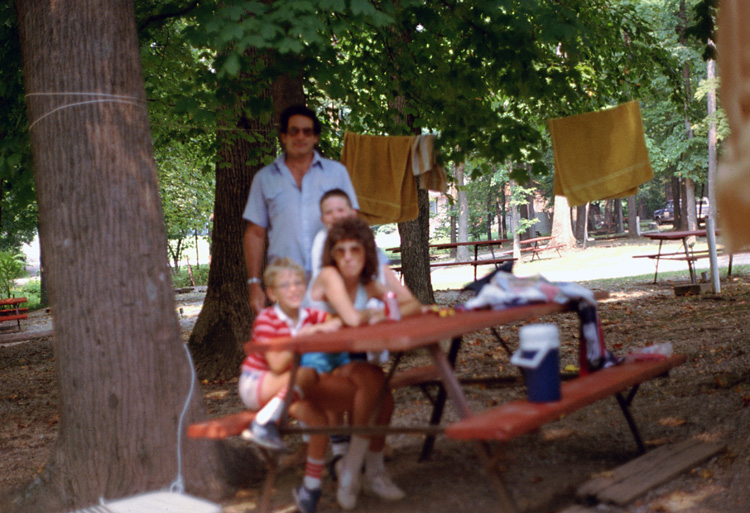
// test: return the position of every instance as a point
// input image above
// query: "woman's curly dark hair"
(356, 229)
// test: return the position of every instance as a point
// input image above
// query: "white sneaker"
(349, 486)
(380, 485)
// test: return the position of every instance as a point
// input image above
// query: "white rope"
(178, 485)
(108, 98)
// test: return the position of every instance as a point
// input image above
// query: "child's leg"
(306, 496)
(369, 380)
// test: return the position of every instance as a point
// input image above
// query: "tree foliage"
(18, 210)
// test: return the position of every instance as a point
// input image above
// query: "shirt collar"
(316, 161)
(288, 320)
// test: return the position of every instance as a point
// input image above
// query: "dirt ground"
(705, 398)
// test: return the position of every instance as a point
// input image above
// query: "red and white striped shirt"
(272, 323)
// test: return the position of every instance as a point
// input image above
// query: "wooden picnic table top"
(411, 332)
(535, 240)
(677, 235)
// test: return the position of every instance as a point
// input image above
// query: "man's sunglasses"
(307, 131)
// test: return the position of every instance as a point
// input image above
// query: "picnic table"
(536, 245)
(476, 262)
(688, 255)
(426, 332)
(11, 310)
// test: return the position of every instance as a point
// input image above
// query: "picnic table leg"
(625, 407)
(693, 278)
(453, 388)
(505, 500)
(439, 404)
(272, 467)
(658, 254)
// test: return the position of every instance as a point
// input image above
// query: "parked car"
(666, 214)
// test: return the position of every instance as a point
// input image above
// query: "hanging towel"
(429, 173)
(600, 155)
(381, 172)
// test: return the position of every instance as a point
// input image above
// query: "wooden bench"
(10, 310)
(510, 420)
(536, 251)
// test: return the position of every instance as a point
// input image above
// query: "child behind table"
(265, 376)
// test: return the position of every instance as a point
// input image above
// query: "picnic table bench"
(10, 310)
(533, 246)
(507, 421)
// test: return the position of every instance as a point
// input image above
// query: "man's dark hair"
(298, 110)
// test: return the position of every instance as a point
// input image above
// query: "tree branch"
(175, 13)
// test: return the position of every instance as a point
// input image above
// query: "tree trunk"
(123, 372)
(618, 216)
(561, 228)
(633, 217)
(581, 217)
(462, 253)
(226, 319)
(489, 215)
(514, 223)
(415, 251)
(712, 139)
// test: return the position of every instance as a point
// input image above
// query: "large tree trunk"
(122, 370)
(562, 229)
(462, 252)
(415, 251)
(226, 319)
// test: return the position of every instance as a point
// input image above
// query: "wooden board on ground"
(654, 468)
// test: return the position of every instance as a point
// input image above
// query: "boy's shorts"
(324, 362)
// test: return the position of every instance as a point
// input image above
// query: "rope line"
(178, 485)
(115, 98)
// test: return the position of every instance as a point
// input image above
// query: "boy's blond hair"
(278, 265)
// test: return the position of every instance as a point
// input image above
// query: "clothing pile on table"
(504, 290)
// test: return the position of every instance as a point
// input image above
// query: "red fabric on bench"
(518, 417)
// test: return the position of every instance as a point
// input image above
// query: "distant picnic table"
(475, 263)
(11, 310)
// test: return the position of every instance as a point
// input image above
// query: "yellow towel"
(600, 155)
(380, 169)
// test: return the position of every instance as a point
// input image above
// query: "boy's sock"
(313, 473)
(339, 444)
(271, 412)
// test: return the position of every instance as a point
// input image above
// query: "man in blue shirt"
(285, 196)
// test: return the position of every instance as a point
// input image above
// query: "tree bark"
(462, 252)
(633, 217)
(226, 319)
(561, 227)
(123, 372)
(712, 139)
(415, 251)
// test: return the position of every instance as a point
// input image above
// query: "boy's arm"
(279, 361)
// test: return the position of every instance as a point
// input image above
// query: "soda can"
(392, 311)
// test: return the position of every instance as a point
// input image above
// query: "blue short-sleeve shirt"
(290, 214)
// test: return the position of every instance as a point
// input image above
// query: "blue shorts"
(324, 362)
